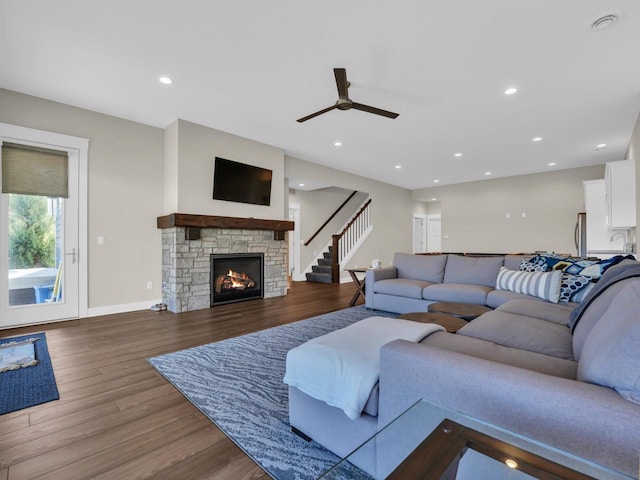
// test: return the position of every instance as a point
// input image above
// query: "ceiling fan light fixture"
(344, 102)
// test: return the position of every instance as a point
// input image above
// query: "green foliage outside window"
(32, 240)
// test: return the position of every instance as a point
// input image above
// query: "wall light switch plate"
(100, 240)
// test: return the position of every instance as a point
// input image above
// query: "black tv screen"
(238, 182)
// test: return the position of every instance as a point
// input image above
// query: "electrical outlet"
(149, 285)
(164, 284)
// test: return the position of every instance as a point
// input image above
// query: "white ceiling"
(253, 67)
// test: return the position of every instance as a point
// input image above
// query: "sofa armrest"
(587, 420)
(372, 276)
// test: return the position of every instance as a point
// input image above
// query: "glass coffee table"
(431, 442)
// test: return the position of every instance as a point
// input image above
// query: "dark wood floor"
(117, 418)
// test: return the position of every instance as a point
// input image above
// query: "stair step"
(327, 255)
(324, 261)
(319, 277)
(321, 269)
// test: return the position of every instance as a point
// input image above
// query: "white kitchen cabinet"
(600, 238)
(620, 181)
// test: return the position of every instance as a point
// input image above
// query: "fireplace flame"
(234, 281)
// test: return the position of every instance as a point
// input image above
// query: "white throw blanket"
(341, 368)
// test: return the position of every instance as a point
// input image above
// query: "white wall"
(125, 194)
(474, 215)
(392, 209)
(197, 148)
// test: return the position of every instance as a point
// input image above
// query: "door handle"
(75, 255)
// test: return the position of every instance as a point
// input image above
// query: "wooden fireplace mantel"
(279, 227)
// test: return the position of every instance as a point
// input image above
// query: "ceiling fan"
(344, 102)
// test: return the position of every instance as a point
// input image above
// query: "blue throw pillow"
(570, 285)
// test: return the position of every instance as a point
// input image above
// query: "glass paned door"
(39, 255)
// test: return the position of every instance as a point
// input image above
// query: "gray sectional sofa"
(567, 375)
(415, 281)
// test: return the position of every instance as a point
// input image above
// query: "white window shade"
(28, 170)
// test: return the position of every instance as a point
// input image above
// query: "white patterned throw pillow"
(545, 285)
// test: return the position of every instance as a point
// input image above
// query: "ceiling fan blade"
(341, 82)
(309, 117)
(377, 111)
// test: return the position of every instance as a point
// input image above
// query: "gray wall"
(197, 147)
(125, 187)
(474, 215)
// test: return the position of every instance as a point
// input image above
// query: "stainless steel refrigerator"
(580, 235)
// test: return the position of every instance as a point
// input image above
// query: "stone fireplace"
(189, 241)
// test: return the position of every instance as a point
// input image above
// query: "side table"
(359, 283)
(466, 311)
(450, 323)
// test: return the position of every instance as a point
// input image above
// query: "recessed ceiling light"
(510, 91)
(436, 181)
(457, 154)
(537, 139)
(398, 166)
(301, 184)
(604, 22)
(165, 80)
(433, 199)
(552, 164)
(487, 173)
(511, 463)
(601, 146)
(337, 144)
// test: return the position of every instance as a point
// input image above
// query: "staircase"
(342, 247)
(321, 273)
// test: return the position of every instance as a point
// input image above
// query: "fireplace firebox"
(236, 277)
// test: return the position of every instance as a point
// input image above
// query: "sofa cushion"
(401, 287)
(456, 292)
(428, 268)
(473, 270)
(551, 312)
(545, 285)
(558, 367)
(495, 298)
(609, 356)
(520, 331)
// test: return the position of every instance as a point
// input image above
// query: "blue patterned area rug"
(31, 385)
(237, 383)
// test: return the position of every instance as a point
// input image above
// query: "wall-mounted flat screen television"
(239, 182)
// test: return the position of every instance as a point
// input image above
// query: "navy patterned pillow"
(571, 284)
(576, 265)
(532, 267)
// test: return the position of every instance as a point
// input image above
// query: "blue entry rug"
(237, 383)
(25, 387)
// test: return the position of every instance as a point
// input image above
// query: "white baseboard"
(123, 308)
